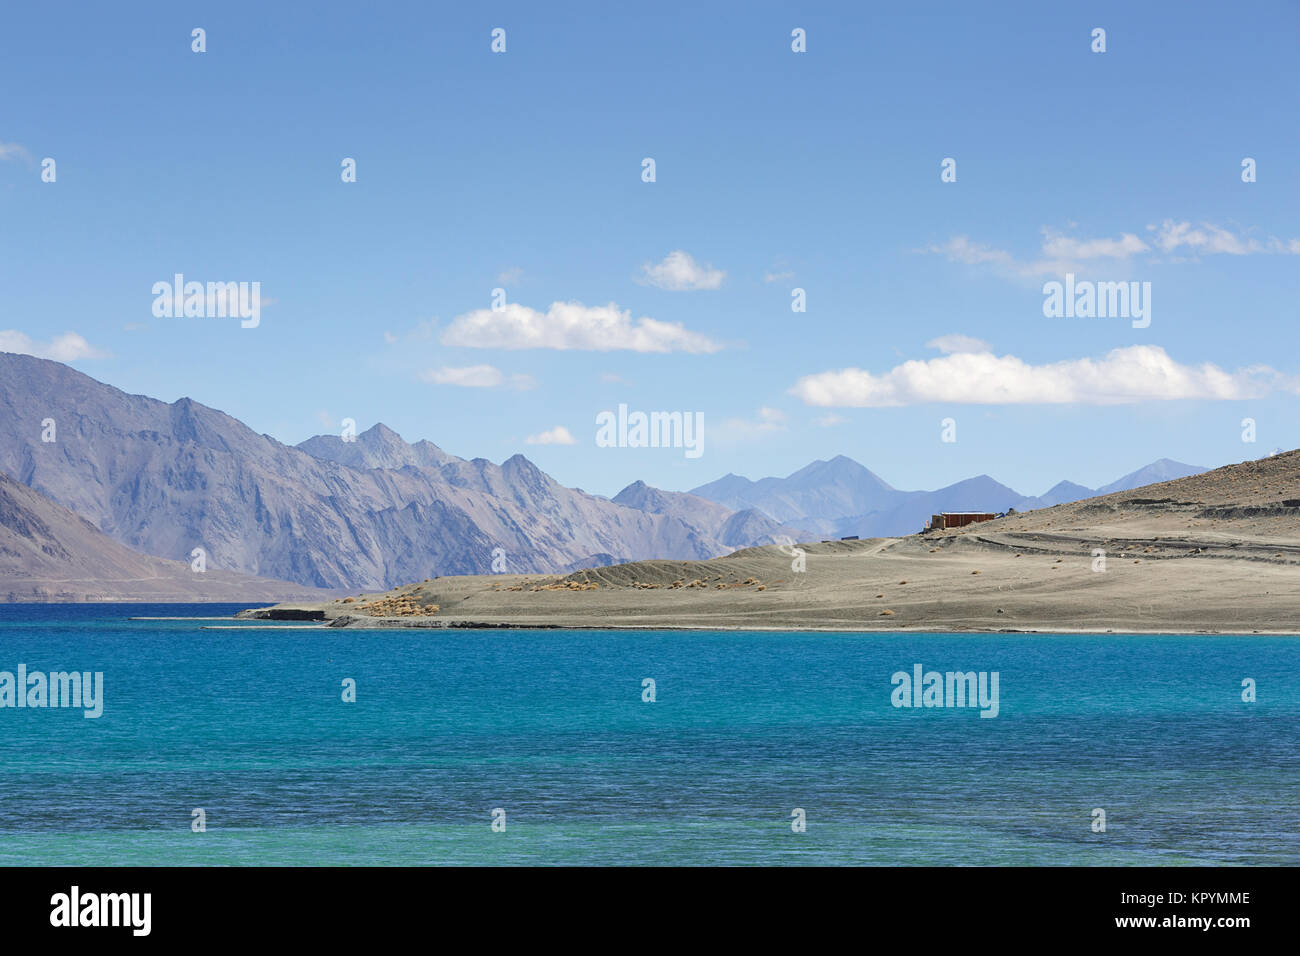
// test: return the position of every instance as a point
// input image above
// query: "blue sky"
(774, 170)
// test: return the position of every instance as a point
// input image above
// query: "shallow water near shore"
(550, 726)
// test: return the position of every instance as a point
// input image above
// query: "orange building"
(958, 519)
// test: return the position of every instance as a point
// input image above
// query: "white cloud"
(68, 347)
(1137, 373)
(476, 376)
(559, 435)
(766, 422)
(828, 421)
(948, 344)
(422, 330)
(1173, 236)
(1060, 253)
(679, 272)
(14, 151)
(572, 325)
(510, 276)
(1059, 246)
(777, 276)
(962, 249)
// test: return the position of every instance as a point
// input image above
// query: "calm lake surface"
(551, 727)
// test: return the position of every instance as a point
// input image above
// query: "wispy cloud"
(679, 272)
(1209, 239)
(777, 276)
(511, 276)
(766, 422)
(476, 376)
(423, 330)
(1137, 373)
(559, 435)
(572, 325)
(1058, 246)
(948, 344)
(68, 347)
(1061, 252)
(964, 250)
(10, 151)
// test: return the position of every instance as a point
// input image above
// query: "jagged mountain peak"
(375, 511)
(380, 434)
(841, 468)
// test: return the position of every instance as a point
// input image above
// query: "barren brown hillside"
(1218, 552)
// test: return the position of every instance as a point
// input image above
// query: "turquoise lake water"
(550, 726)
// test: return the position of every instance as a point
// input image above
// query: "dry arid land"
(1215, 553)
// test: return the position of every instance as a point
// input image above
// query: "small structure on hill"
(958, 519)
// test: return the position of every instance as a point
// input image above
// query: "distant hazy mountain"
(735, 529)
(164, 479)
(1061, 493)
(840, 497)
(699, 511)
(1157, 471)
(47, 553)
(824, 489)
(913, 508)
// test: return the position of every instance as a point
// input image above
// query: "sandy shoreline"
(386, 624)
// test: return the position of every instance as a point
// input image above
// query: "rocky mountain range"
(374, 511)
(164, 478)
(840, 497)
(47, 553)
